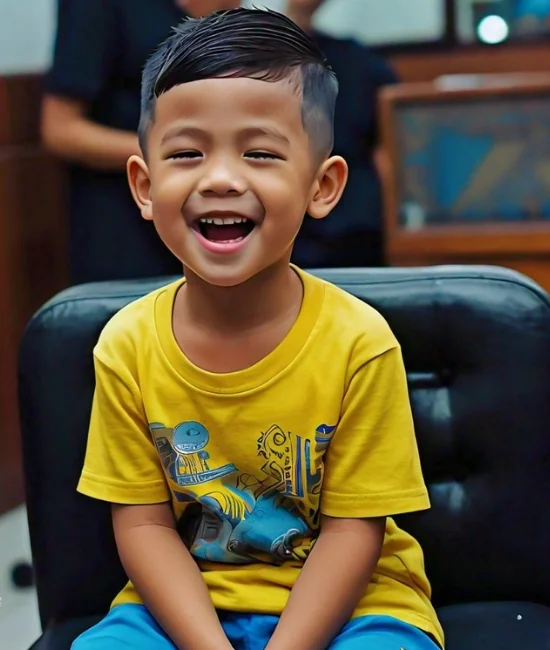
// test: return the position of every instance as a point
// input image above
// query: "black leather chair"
(476, 342)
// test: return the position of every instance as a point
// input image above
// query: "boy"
(251, 424)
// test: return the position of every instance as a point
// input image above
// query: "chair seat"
(61, 636)
(478, 626)
(496, 626)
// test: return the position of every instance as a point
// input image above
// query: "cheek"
(170, 189)
(286, 192)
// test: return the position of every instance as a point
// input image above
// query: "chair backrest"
(476, 342)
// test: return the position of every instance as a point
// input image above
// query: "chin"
(225, 278)
(226, 283)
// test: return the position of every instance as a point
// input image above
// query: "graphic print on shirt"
(189, 440)
(233, 516)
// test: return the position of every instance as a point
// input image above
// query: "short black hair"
(261, 44)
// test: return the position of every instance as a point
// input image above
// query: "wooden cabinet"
(33, 256)
(466, 173)
(421, 66)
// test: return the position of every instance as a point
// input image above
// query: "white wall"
(378, 21)
(27, 29)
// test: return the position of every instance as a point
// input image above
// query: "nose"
(222, 177)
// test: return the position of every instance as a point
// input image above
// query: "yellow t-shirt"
(250, 459)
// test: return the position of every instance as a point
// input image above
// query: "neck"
(263, 299)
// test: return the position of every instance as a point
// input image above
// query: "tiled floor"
(19, 622)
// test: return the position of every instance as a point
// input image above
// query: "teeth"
(224, 221)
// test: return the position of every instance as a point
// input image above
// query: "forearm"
(69, 134)
(171, 586)
(95, 146)
(333, 580)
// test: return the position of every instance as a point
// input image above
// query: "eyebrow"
(179, 131)
(265, 131)
(249, 132)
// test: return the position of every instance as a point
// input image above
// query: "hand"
(301, 11)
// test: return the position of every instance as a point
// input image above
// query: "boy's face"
(230, 174)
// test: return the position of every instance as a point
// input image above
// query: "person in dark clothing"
(353, 234)
(91, 114)
(90, 118)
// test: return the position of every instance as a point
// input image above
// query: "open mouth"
(224, 229)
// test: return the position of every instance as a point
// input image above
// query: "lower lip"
(221, 247)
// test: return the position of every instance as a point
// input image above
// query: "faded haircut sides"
(254, 43)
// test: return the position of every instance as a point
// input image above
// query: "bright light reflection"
(493, 30)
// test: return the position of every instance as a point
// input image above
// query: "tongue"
(224, 233)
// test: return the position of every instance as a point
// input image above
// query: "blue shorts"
(131, 627)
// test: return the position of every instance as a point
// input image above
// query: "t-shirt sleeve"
(372, 466)
(85, 49)
(121, 463)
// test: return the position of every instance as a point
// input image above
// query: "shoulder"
(131, 329)
(84, 9)
(378, 70)
(358, 327)
(342, 44)
(344, 47)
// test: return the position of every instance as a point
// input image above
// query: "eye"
(185, 155)
(262, 155)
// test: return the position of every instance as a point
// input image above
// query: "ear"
(328, 187)
(140, 185)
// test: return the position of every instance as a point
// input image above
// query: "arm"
(87, 48)
(166, 576)
(69, 134)
(380, 74)
(371, 471)
(330, 584)
(122, 467)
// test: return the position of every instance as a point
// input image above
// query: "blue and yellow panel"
(486, 160)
